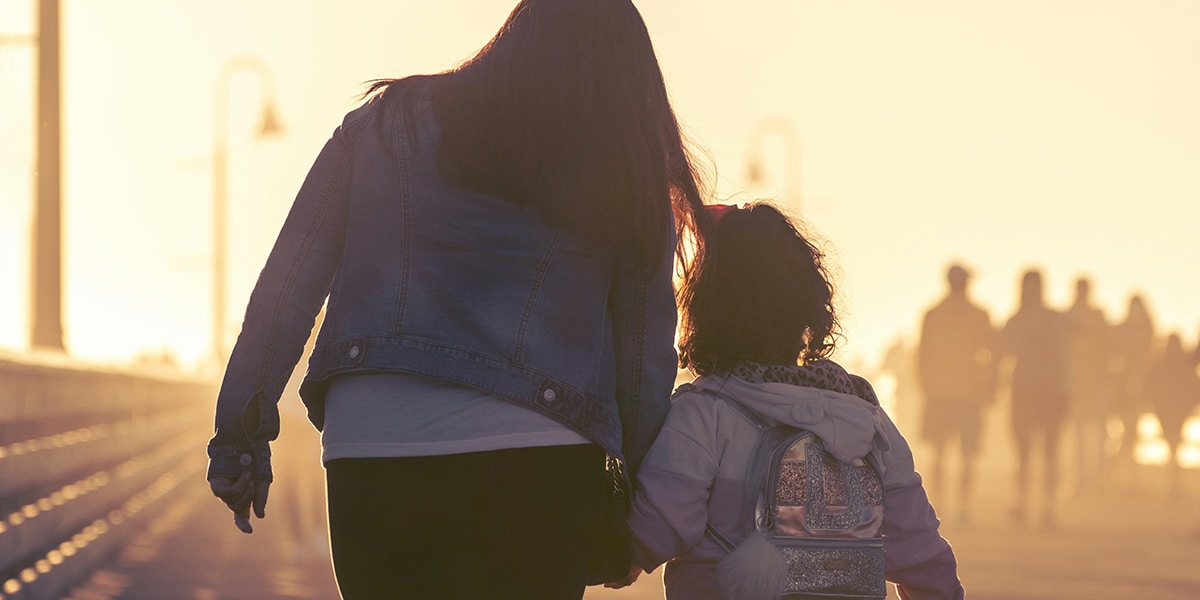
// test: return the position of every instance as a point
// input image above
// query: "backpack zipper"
(766, 521)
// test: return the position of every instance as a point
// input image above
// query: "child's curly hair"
(761, 294)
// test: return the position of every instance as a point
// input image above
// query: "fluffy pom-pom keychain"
(755, 570)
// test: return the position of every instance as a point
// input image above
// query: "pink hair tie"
(716, 212)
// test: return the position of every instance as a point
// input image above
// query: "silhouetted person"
(956, 369)
(1196, 354)
(1036, 338)
(899, 361)
(1172, 390)
(1092, 383)
(1133, 344)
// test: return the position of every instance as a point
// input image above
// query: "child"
(758, 323)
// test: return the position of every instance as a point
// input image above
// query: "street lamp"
(268, 126)
(755, 171)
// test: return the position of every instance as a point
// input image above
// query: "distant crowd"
(1066, 371)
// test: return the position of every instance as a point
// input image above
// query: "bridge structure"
(87, 455)
(102, 492)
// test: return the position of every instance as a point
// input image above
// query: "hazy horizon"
(1061, 135)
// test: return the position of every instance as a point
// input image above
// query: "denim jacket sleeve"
(283, 307)
(643, 304)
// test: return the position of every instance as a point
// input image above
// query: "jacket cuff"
(934, 579)
(231, 460)
(642, 556)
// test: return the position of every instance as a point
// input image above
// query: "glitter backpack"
(812, 526)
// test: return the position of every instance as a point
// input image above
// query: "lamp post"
(268, 126)
(782, 127)
(46, 305)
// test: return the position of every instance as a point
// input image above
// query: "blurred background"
(145, 172)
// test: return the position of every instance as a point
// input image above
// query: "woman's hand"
(634, 572)
(239, 495)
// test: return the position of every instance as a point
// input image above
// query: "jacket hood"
(849, 426)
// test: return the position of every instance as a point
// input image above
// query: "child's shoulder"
(684, 388)
(703, 395)
(691, 391)
(708, 397)
(703, 386)
(703, 408)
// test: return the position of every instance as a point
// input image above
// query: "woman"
(1134, 340)
(1036, 337)
(496, 242)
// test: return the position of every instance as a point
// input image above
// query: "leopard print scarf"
(821, 374)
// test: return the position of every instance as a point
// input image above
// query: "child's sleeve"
(670, 501)
(918, 559)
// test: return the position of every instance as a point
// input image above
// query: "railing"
(86, 455)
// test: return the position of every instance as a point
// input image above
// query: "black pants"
(518, 524)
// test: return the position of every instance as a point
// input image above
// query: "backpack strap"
(758, 422)
(718, 537)
(761, 425)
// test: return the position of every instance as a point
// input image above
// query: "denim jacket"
(428, 278)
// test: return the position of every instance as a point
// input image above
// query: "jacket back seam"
(402, 160)
(543, 268)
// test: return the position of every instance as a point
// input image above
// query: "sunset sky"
(1063, 134)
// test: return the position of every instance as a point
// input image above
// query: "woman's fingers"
(242, 520)
(226, 487)
(260, 498)
(244, 494)
(236, 493)
(240, 495)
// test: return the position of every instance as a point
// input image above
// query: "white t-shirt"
(392, 415)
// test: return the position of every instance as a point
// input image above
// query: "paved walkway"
(1142, 544)
(192, 551)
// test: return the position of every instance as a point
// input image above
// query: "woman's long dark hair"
(761, 294)
(565, 111)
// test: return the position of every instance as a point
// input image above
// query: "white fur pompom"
(755, 570)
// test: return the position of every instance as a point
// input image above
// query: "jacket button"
(353, 351)
(549, 395)
(245, 460)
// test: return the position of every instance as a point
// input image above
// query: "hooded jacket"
(694, 473)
